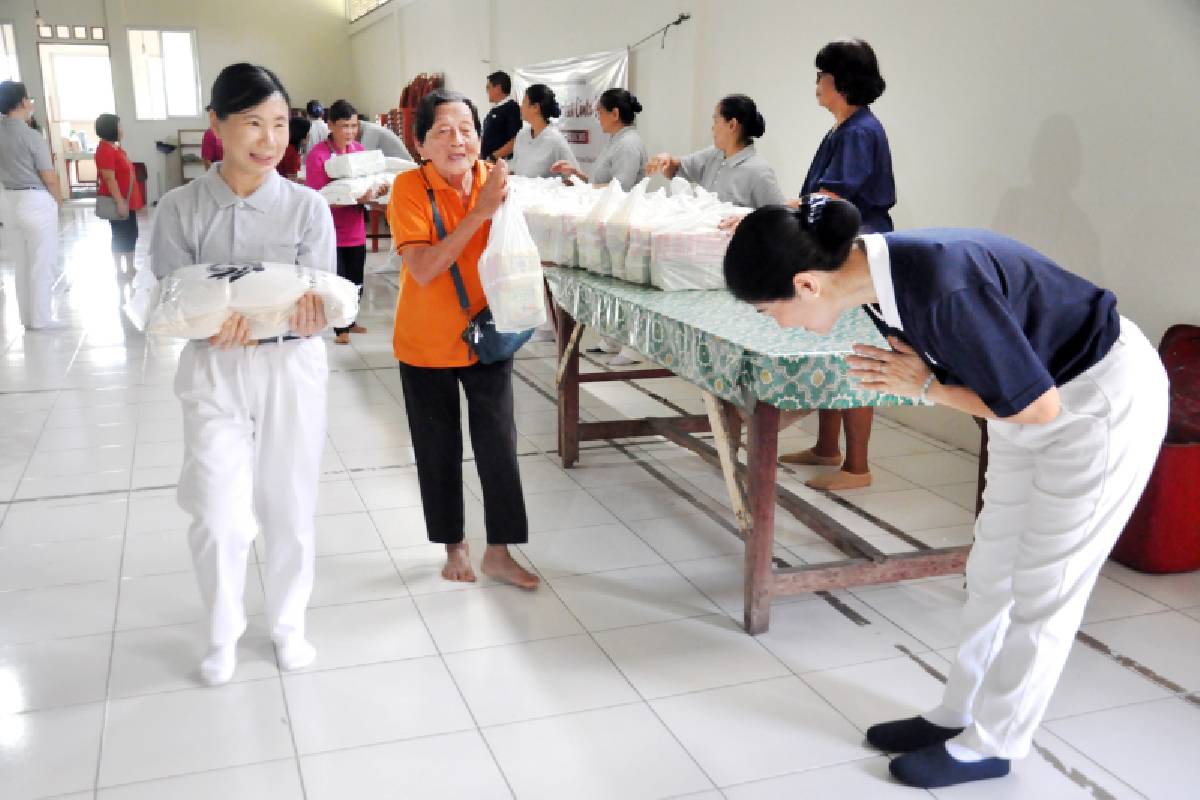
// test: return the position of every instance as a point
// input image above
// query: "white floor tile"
(421, 567)
(167, 658)
(1168, 644)
(52, 674)
(150, 512)
(538, 475)
(914, 510)
(173, 599)
(620, 752)
(688, 655)
(1113, 600)
(338, 497)
(454, 766)
(1135, 742)
(538, 679)
(929, 469)
(272, 780)
(929, 610)
(586, 550)
(555, 511)
(146, 737)
(881, 690)
(59, 563)
(36, 615)
(688, 536)
(759, 730)
(494, 616)
(866, 778)
(391, 489)
(626, 597)
(373, 704)
(367, 633)
(156, 554)
(405, 527)
(356, 577)
(32, 523)
(1177, 591)
(1093, 681)
(50, 752)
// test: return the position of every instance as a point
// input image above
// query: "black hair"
(542, 96)
(427, 110)
(775, 243)
(107, 127)
(11, 95)
(855, 70)
(314, 109)
(501, 79)
(741, 108)
(341, 109)
(242, 86)
(298, 128)
(621, 100)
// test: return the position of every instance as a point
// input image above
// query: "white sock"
(218, 666)
(295, 653)
(964, 754)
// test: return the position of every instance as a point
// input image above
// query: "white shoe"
(217, 667)
(624, 359)
(295, 653)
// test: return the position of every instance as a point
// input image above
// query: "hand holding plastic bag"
(510, 270)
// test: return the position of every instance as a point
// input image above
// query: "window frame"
(167, 115)
(12, 30)
(353, 19)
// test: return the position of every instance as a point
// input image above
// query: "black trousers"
(431, 399)
(125, 234)
(351, 261)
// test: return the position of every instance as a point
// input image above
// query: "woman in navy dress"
(1075, 400)
(853, 163)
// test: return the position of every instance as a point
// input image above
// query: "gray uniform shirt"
(532, 158)
(204, 222)
(744, 179)
(23, 153)
(377, 137)
(623, 159)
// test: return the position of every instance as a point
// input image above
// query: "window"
(8, 54)
(357, 9)
(165, 82)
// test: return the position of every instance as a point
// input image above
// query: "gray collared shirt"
(377, 137)
(744, 179)
(532, 157)
(204, 222)
(23, 153)
(623, 159)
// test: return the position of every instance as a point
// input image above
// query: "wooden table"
(748, 368)
(376, 211)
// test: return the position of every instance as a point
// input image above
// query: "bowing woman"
(1075, 399)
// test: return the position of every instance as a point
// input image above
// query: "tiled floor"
(626, 676)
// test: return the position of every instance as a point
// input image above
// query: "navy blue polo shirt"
(855, 163)
(995, 315)
(502, 123)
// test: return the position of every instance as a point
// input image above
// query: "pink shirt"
(211, 148)
(348, 221)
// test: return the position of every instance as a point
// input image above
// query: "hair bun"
(761, 124)
(634, 104)
(833, 222)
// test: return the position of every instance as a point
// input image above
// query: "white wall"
(304, 41)
(1067, 124)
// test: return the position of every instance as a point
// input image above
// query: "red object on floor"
(1163, 535)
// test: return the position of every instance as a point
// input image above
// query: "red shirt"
(348, 221)
(112, 156)
(289, 165)
(211, 149)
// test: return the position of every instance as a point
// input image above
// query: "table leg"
(375, 230)
(727, 446)
(981, 480)
(762, 448)
(568, 388)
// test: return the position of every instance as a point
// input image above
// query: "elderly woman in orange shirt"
(434, 359)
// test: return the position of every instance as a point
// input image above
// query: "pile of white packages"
(194, 302)
(354, 174)
(668, 238)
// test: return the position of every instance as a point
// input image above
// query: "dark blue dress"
(855, 163)
(992, 314)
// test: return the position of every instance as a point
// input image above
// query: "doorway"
(78, 87)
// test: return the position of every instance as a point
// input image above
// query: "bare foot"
(458, 564)
(356, 328)
(840, 480)
(498, 563)
(810, 458)
(342, 338)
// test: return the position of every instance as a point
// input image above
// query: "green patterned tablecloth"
(722, 345)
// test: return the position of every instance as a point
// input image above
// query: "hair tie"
(816, 209)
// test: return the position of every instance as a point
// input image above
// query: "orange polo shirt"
(429, 319)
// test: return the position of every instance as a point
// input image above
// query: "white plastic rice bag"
(397, 165)
(193, 302)
(658, 212)
(616, 229)
(589, 235)
(355, 165)
(510, 270)
(690, 254)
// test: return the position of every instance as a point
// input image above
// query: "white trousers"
(1057, 498)
(254, 429)
(30, 219)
